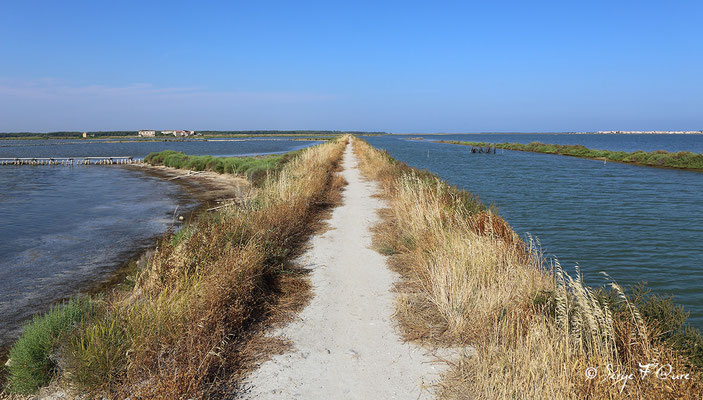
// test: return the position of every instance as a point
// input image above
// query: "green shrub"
(33, 358)
(669, 319)
(689, 342)
(256, 174)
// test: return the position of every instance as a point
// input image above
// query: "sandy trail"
(345, 341)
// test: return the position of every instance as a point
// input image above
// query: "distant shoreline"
(683, 160)
(561, 133)
(75, 135)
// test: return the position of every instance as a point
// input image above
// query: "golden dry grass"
(470, 280)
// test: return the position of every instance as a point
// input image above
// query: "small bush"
(669, 319)
(98, 353)
(32, 361)
(689, 341)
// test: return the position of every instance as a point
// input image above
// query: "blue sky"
(396, 66)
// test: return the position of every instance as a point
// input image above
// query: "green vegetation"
(254, 168)
(32, 358)
(668, 321)
(680, 160)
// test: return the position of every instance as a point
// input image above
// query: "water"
(139, 149)
(64, 229)
(636, 223)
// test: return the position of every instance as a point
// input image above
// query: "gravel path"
(345, 341)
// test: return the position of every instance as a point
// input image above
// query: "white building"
(147, 133)
(179, 133)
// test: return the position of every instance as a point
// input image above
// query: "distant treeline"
(659, 158)
(61, 135)
(65, 134)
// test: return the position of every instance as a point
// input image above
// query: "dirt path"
(345, 341)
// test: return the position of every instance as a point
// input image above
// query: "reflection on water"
(636, 223)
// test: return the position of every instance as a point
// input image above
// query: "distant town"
(151, 133)
(650, 132)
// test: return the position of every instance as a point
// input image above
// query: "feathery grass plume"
(642, 329)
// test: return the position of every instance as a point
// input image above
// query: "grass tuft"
(33, 358)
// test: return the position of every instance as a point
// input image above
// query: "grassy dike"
(681, 160)
(469, 280)
(184, 325)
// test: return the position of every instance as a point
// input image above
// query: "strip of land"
(344, 342)
(662, 159)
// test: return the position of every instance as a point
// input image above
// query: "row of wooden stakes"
(69, 161)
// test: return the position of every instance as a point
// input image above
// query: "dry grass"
(470, 280)
(186, 328)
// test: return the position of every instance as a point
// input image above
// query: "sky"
(394, 66)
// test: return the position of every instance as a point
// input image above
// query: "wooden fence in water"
(69, 160)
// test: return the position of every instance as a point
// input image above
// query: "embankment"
(681, 160)
(182, 327)
(537, 332)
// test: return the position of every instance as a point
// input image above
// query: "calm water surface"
(136, 148)
(636, 223)
(63, 229)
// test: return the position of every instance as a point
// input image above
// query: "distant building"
(179, 133)
(85, 135)
(147, 133)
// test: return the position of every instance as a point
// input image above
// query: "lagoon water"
(63, 229)
(636, 223)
